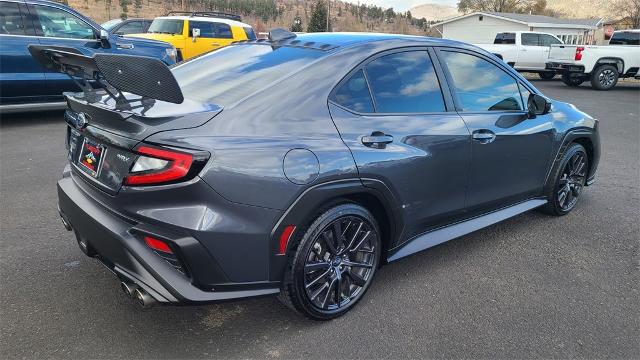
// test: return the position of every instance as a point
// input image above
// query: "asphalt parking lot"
(530, 287)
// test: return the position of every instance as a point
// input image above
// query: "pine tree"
(297, 24)
(318, 22)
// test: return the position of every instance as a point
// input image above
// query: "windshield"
(166, 26)
(228, 75)
(111, 24)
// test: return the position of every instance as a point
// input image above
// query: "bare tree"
(513, 6)
(627, 9)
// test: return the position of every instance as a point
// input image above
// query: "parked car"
(127, 26)
(195, 33)
(24, 84)
(602, 65)
(526, 51)
(393, 145)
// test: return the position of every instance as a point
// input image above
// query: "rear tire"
(604, 77)
(567, 181)
(546, 75)
(572, 81)
(328, 274)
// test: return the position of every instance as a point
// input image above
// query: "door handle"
(215, 44)
(483, 136)
(377, 139)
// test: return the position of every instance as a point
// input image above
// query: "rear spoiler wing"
(144, 76)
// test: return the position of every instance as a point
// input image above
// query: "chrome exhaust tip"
(143, 299)
(128, 289)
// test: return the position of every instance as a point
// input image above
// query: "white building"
(482, 27)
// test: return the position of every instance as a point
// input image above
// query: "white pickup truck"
(602, 65)
(526, 51)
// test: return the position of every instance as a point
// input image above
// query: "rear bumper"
(117, 241)
(564, 67)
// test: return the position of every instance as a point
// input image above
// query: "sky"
(404, 5)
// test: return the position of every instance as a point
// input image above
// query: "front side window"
(529, 39)
(111, 24)
(133, 27)
(166, 26)
(481, 85)
(207, 29)
(405, 83)
(10, 19)
(354, 94)
(548, 40)
(59, 23)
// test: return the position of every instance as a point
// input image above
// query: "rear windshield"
(228, 75)
(625, 38)
(166, 26)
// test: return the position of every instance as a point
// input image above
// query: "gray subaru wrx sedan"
(300, 164)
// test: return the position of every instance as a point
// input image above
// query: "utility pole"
(328, 13)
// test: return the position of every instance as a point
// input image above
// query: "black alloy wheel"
(546, 75)
(570, 178)
(334, 263)
(604, 77)
(573, 81)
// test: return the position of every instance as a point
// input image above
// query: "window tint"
(134, 27)
(224, 31)
(529, 39)
(625, 38)
(167, 26)
(251, 35)
(234, 72)
(59, 23)
(354, 94)
(548, 40)
(505, 38)
(207, 29)
(480, 85)
(10, 19)
(405, 83)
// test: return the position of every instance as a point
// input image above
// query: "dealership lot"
(533, 286)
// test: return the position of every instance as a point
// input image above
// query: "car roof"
(345, 39)
(205, 19)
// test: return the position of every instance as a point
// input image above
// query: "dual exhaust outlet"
(138, 294)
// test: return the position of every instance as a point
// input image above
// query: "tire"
(567, 178)
(325, 278)
(604, 77)
(572, 81)
(546, 75)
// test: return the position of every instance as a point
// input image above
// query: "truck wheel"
(572, 81)
(604, 77)
(547, 75)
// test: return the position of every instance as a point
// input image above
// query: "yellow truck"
(195, 33)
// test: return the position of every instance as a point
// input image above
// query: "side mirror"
(104, 38)
(538, 105)
(195, 33)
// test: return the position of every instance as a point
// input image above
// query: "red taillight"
(159, 166)
(579, 51)
(157, 245)
(285, 237)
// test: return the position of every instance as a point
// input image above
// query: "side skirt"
(439, 236)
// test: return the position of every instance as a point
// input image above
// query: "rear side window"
(10, 19)
(251, 35)
(354, 94)
(481, 85)
(234, 72)
(405, 83)
(530, 39)
(224, 31)
(625, 38)
(505, 38)
(207, 29)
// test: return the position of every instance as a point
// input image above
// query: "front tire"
(567, 181)
(334, 263)
(573, 81)
(547, 75)
(604, 77)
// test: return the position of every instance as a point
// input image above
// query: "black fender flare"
(310, 201)
(570, 137)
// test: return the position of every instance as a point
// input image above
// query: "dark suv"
(299, 165)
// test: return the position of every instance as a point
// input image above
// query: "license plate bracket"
(91, 156)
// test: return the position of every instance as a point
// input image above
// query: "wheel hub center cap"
(337, 261)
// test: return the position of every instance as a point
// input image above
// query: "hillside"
(261, 14)
(434, 12)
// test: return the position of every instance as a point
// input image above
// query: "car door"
(58, 27)
(511, 152)
(530, 55)
(393, 115)
(546, 41)
(205, 42)
(224, 35)
(21, 76)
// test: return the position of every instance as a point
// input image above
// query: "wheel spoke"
(338, 235)
(338, 290)
(562, 196)
(315, 265)
(330, 244)
(317, 279)
(355, 235)
(326, 297)
(355, 248)
(356, 279)
(318, 291)
(356, 264)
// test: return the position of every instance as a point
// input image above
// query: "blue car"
(26, 85)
